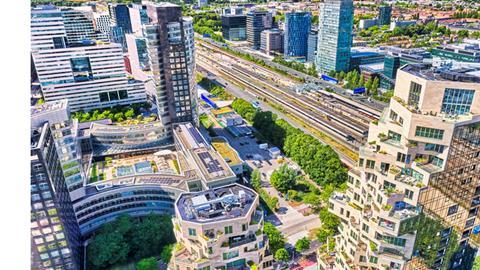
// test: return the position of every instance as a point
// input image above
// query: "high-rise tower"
(334, 35)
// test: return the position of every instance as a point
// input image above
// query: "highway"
(306, 107)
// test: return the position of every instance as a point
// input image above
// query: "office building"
(396, 24)
(312, 45)
(468, 51)
(257, 21)
(396, 57)
(55, 234)
(334, 35)
(367, 23)
(384, 15)
(412, 200)
(102, 25)
(234, 27)
(170, 48)
(232, 11)
(295, 40)
(47, 28)
(78, 26)
(90, 76)
(271, 41)
(220, 228)
(364, 56)
(120, 16)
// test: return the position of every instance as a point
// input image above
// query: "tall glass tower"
(334, 35)
(297, 28)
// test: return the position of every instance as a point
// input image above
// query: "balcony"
(241, 240)
(405, 213)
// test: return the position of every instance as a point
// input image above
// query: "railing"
(243, 241)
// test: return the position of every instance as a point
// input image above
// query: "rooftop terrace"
(226, 151)
(469, 74)
(218, 204)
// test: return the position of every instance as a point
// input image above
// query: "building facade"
(312, 46)
(220, 228)
(468, 51)
(416, 181)
(334, 35)
(257, 21)
(90, 77)
(79, 26)
(234, 27)
(271, 41)
(170, 48)
(297, 30)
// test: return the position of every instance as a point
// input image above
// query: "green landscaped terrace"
(226, 151)
(164, 163)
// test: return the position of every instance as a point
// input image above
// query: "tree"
(256, 179)
(130, 113)
(313, 200)
(282, 255)
(149, 236)
(476, 263)
(107, 249)
(284, 178)
(302, 244)
(147, 264)
(275, 237)
(166, 253)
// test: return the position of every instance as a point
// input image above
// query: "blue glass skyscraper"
(297, 28)
(334, 35)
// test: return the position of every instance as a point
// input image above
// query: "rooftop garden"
(122, 115)
(227, 152)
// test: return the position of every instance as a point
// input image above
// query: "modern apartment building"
(102, 25)
(271, 41)
(312, 45)
(220, 228)
(170, 46)
(384, 15)
(55, 182)
(47, 29)
(334, 35)
(412, 200)
(234, 27)
(295, 40)
(257, 21)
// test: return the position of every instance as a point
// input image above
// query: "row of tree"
(116, 114)
(214, 89)
(353, 79)
(207, 23)
(128, 237)
(300, 67)
(319, 161)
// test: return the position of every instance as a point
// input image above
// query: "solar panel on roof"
(196, 136)
(211, 164)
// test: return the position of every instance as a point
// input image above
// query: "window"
(244, 227)
(457, 101)
(104, 97)
(452, 210)
(229, 255)
(434, 147)
(432, 133)
(408, 194)
(192, 232)
(414, 94)
(370, 164)
(401, 157)
(373, 259)
(228, 230)
(393, 115)
(363, 258)
(365, 228)
(394, 136)
(437, 161)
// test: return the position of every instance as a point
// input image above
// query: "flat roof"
(213, 205)
(465, 73)
(48, 107)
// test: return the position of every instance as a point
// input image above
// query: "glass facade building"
(384, 15)
(257, 21)
(234, 27)
(334, 35)
(297, 29)
(457, 101)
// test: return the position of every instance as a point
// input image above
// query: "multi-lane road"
(341, 118)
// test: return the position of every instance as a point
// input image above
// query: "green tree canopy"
(147, 264)
(284, 178)
(302, 244)
(282, 255)
(275, 237)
